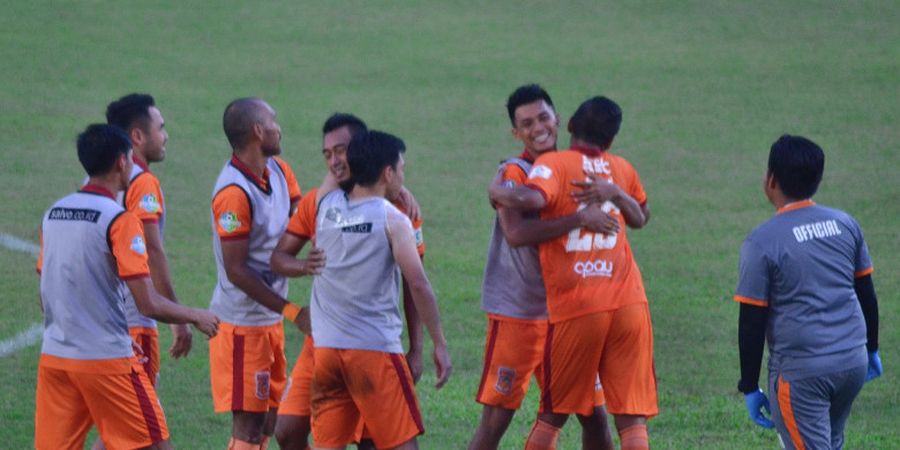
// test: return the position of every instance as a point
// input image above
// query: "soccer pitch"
(705, 87)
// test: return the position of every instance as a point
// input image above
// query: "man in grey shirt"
(805, 285)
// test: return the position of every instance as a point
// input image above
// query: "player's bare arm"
(403, 247)
(284, 259)
(162, 281)
(234, 258)
(599, 190)
(520, 230)
(409, 203)
(155, 306)
(518, 197)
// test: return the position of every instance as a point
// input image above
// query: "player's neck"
(363, 192)
(253, 159)
(139, 159)
(110, 182)
(585, 145)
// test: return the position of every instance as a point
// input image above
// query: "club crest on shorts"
(262, 385)
(505, 377)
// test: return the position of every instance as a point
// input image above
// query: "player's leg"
(382, 387)
(335, 417)
(628, 374)
(569, 374)
(125, 409)
(847, 386)
(513, 351)
(595, 434)
(61, 419)
(800, 411)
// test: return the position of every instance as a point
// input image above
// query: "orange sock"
(543, 436)
(237, 444)
(635, 437)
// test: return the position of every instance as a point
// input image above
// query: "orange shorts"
(247, 367)
(354, 385)
(148, 340)
(513, 351)
(124, 406)
(617, 345)
(295, 400)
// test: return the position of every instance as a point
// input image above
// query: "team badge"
(541, 171)
(505, 377)
(137, 245)
(419, 238)
(229, 221)
(150, 203)
(262, 385)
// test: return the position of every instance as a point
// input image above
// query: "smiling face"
(536, 125)
(334, 150)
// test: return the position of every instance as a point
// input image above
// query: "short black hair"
(99, 146)
(368, 155)
(338, 120)
(524, 95)
(132, 110)
(239, 118)
(596, 121)
(797, 164)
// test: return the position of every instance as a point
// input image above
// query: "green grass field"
(706, 87)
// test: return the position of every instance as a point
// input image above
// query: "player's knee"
(292, 431)
(543, 436)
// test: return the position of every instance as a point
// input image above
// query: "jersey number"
(579, 242)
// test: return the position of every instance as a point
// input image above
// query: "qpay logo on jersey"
(137, 245)
(598, 268)
(150, 203)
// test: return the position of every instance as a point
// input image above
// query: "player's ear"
(258, 131)
(136, 134)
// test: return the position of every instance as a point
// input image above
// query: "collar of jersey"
(795, 205)
(261, 183)
(526, 156)
(97, 190)
(591, 152)
(140, 163)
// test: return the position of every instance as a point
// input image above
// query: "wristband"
(291, 311)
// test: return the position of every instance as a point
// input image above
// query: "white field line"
(33, 334)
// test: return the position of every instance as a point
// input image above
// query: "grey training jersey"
(355, 300)
(81, 290)
(513, 285)
(802, 264)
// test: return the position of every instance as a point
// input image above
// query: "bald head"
(240, 117)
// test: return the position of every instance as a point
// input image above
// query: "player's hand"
(756, 401)
(875, 369)
(595, 219)
(139, 352)
(314, 262)
(410, 205)
(206, 322)
(416, 365)
(595, 190)
(442, 365)
(303, 322)
(181, 345)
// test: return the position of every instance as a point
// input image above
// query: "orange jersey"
(586, 272)
(303, 222)
(144, 196)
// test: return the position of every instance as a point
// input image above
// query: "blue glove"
(757, 401)
(875, 369)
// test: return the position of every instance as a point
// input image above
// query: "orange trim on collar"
(526, 156)
(795, 205)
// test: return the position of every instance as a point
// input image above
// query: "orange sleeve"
(632, 183)
(231, 208)
(420, 238)
(515, 174)
(126, 238)
(40, 262)
(293, 186)
(144, 198)
(545, 177)
(303, 222)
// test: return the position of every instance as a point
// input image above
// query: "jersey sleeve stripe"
(751, 301)
(136, 276)
(149, 220)
(864, 272)
(235, 237)
(299, 235)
